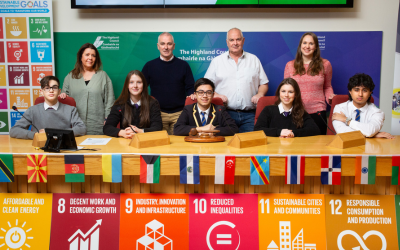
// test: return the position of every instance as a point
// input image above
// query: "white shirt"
(281, 110)
(205, 112)
(238, 82)
(138, 103)
(371, 119)
(162, 59)
(55, 106)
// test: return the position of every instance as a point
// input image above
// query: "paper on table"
(95, 141)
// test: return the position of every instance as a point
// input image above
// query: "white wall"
(367, 15)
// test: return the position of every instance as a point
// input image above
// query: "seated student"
(287, 118)
(204, 115)
(50, 114)
(135, 110)
(358, 113)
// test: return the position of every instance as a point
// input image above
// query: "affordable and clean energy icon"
(360, 240)
(40, 53)
(223, 239)
(88, 241)
(18, 54)
(286, 242)
(154, 238)
(16, 237)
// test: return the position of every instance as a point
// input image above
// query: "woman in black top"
(287, 118)
(135, 110)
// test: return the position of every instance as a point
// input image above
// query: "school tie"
(203, 118)
(136, 106)
(358, 115)
(286, 113)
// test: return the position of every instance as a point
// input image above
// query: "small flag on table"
(6, 168)
(365, 169)
(331, 170)
(112, 167)
(189, 169)
(149, 169)
(294, 171)
(37, 168)
(395, 170)
(259, 170)
(225, 169)
(74, 168)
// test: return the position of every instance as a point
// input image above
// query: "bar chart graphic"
(88, 241)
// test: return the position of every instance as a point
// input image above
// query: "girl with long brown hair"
(314, 76)
(134, 110)
(287, 118)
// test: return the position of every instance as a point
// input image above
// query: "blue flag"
(259, 170)
(189, 169)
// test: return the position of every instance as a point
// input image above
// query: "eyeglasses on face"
(54, 88)
(201, 92)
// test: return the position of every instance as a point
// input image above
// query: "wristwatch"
(347, 120)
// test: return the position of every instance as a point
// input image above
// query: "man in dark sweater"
(204, 115)
(50, 114)
(170, 80)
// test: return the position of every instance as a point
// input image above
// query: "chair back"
(337, 99)
(215, 101)
(68, 101)
(262, 102)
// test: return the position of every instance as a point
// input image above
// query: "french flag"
(294, 171)
(331, 170)
(189, 169)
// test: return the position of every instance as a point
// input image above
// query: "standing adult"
(170, 80)
(240, 80)
(91, 88)
(314, 76)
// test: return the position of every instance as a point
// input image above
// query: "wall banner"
(396, 85)
(26, 54)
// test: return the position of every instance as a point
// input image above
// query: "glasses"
(201, 92)
(54, 88)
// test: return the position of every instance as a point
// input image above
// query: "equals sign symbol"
(224, 237)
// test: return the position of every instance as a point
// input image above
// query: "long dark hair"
(316, 64)
(77, 71)
(298, 106)
(124, 100)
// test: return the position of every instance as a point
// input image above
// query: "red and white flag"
(225, 169)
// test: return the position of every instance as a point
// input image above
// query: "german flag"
(6, 168)
(37, 168)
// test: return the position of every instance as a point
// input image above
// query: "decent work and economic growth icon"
(90, 240)
(16, 236)
(154, 238)
(286, 242)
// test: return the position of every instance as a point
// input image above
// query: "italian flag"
(395, 170)
(365, 169)
(149, 169)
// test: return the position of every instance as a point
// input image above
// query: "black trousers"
(319, 120)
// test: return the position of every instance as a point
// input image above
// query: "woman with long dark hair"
(287, 118)
(314, 76)
(135, 110)
(91, 88)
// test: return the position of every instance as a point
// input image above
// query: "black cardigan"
(116, 117)
(272, 123)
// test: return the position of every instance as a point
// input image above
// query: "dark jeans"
(244, 119)
(318, 120)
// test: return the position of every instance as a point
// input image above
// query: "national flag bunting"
(331, 170)
(294, 171)
(365, 169)
(225, 169)
(259, 170)
(37, 168)
(189, 169)
(112, 167)
(6, 168)
(395, 170)
(74, 168)
(149, 169)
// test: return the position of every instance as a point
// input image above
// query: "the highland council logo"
(2, 124)
(107, 43)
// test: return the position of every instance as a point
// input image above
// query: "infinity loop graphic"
(360, 240)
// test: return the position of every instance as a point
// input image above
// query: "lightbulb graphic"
(18, 54)
(16, 236)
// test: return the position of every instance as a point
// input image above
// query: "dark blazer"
(217, 115)
(116, 117)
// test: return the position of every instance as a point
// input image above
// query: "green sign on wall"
(39, 27)
(3, 121)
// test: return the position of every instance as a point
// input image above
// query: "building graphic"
(88, 241)
(286, 242)
(154, 238)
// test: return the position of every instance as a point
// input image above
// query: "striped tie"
(358, 115)
(203, 119)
